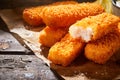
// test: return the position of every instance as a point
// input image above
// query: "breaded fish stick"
(94, 27)
(33, 15)
(49, 36)
(102, 49)
(66, 15)
(119, 26)
(65, 51)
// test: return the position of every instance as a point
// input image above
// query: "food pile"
(72, 27)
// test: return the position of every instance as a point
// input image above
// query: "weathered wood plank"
(24, 67)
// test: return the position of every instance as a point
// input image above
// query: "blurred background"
(21, 3)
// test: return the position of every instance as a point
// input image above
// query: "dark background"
(25, 3)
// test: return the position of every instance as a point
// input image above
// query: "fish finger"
(94, 27)
(65, 15)
(101, 50)
(33, 15)
(49, 36)
(65, 51)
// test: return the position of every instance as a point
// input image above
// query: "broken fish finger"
(94, 27)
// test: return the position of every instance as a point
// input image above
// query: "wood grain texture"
(24, 67)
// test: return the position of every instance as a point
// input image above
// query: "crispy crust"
(99, 26)
(33, 15)
(119, 26)
(49, 36)
(65, 51)
(65, 15)
(102, 49)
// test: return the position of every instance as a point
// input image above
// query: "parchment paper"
(80, 69)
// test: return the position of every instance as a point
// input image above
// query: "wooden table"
(24, 67)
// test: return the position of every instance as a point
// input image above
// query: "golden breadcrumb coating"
(119, 26)
(33, 15)
(65, 51)
(102, 49)
(49, 36)
(65, 15)
(94, 27)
